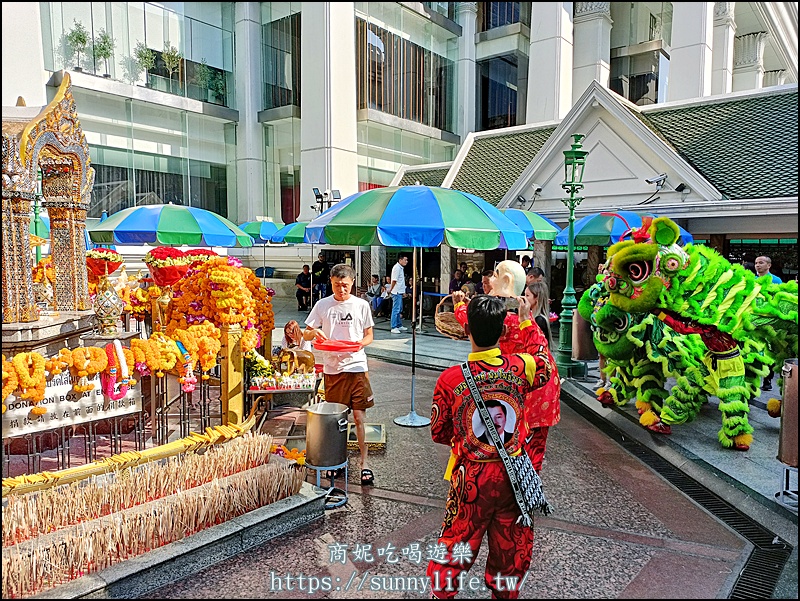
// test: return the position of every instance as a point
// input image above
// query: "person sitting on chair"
(303, 284)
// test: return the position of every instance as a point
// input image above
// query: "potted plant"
(218, 87)
(203, 78)
(172, 59)
(78, 39)
(104, 48)
(145, 59)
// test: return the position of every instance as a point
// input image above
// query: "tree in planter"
(172, 59)
(145, 59)
(78, 39)
(218, 86)
(203, 77)
(104, 48)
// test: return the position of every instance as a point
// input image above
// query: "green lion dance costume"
(642, 353)
(694, 290)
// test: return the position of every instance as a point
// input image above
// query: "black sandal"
(335, 473)
(367, 478)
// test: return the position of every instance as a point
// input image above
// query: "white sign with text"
(66, 407)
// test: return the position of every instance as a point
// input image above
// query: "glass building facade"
(145, 153)
(405, 68)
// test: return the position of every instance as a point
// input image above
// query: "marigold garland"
(168, 354)
(86, 362)
(55, 365)
(10, 380)
(223, 293)
(31, 383)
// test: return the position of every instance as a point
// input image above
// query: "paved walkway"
(638, 515)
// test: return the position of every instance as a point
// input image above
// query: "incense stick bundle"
(27, 516)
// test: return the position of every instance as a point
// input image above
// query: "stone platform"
(51, 332)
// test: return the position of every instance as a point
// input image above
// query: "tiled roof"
(426, 177)
(746, 147)
(494, 163)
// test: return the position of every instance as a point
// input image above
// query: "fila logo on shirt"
(343, 318)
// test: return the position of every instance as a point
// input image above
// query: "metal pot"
(326, 434)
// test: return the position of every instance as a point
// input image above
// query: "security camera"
(537, 189)
(658, 179)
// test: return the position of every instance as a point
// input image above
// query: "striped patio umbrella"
(169, 225)
(535, 226)
(607, 228)
(261, 231)
(416, 217)
(292, 233)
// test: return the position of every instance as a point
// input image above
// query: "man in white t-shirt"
(346, 317)
(397, 289)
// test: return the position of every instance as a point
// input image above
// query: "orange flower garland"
(30, 373)
(86, 362)
(10, 380)
(225, 295)
(146, 354)
(55, 365)
(208, 345)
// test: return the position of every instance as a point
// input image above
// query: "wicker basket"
(447, 324)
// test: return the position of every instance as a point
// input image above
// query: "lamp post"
(574, 162)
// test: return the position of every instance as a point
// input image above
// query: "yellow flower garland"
(55, 365)
(168, 354)
(10, 380)
(31, 383)
(86, 362)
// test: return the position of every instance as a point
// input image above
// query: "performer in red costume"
(522, 335)
(481, 499)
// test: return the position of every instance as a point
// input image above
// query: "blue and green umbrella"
(416, 217)
(291, 233)
(535, 226)
(607, 228)
(169, 225)
(261, 231)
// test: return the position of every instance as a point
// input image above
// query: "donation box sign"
(66, 407)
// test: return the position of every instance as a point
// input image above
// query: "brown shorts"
(351, 389)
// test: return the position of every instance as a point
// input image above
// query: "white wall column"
(550, 62)
(774, 78)
(250, 174)
(691, 56)
(467, 17)
(328, 140)
(722, 60)
(592, 54)
(748, 61)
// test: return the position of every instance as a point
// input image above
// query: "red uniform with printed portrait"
(544, 408)
(480, 499)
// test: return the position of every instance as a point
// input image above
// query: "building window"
(447, 9)
(282, 62)
(499, 14)
(401, 78)
(497, 92)
(156, 180)
(641, 78)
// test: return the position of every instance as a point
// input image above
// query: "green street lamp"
(574, 162)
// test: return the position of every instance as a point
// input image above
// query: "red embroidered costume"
(480, 498)
(544, 410)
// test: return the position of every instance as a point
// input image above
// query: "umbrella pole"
(419, 326)
(413, 419)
